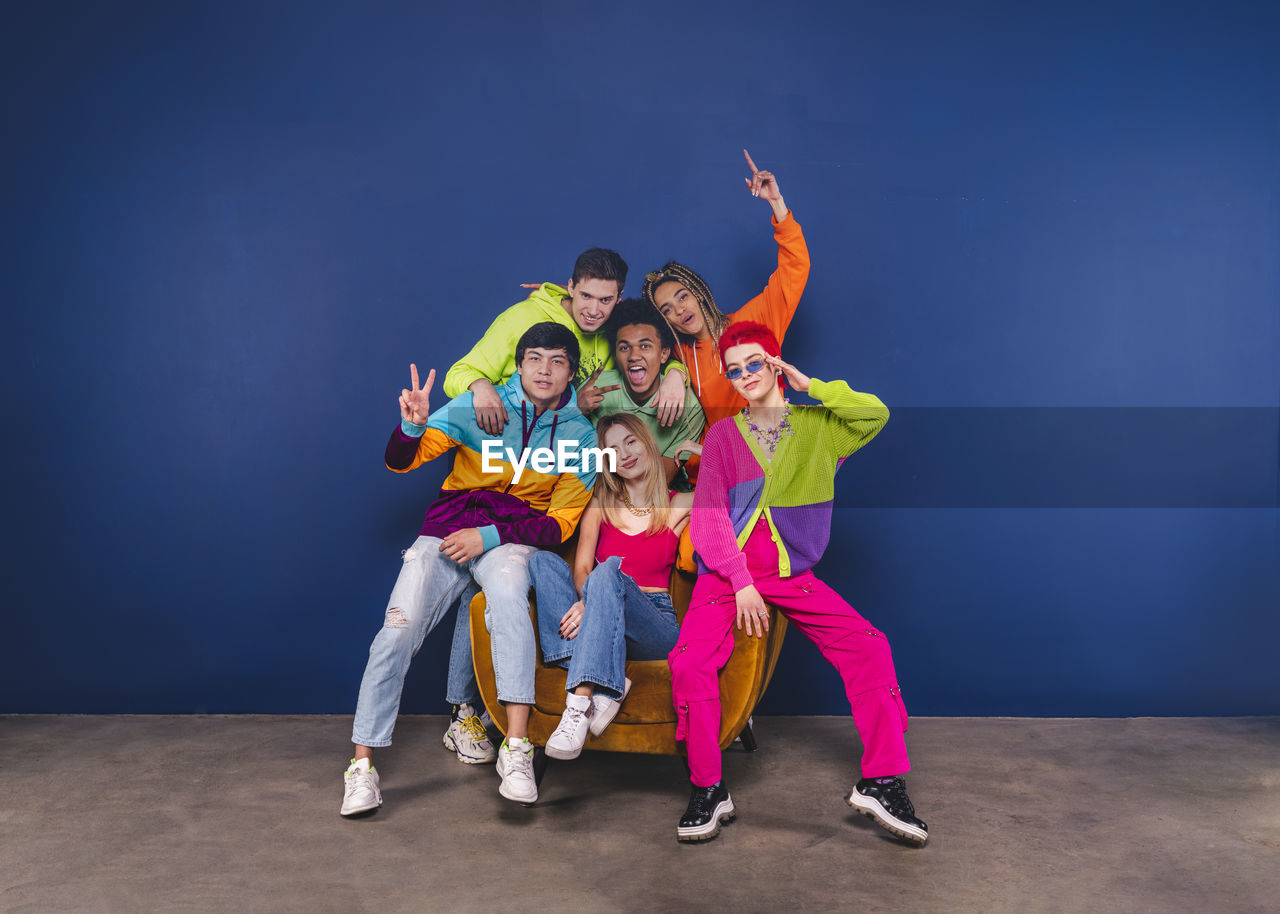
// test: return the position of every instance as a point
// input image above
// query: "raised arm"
(764, 185)
(413, 442)
(853, 418)
(776, 305)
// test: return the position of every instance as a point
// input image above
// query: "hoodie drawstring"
(526, 427)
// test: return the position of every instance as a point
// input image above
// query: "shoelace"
(472, 728)
(519, 761)
(895, 794)
(359, 780)
(571, 720)
(701, 803)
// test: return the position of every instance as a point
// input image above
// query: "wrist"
(489, 536)
(780, 210)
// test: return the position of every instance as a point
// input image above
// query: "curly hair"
(638, 311)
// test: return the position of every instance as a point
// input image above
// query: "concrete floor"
(241, 814)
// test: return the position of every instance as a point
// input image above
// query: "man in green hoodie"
(583, 306)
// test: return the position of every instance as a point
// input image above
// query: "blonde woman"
(615, 602)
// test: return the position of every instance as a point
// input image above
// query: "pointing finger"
(609, 387)
(750, 164)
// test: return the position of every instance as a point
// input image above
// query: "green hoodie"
(494, 357)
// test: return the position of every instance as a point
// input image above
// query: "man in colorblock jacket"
(505, 496)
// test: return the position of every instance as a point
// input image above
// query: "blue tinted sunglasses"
(751, 368)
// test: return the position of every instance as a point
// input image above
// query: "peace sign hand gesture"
(589, 396)
(764, 185)
(414, 402)
(796, 379)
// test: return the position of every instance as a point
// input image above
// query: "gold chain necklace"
(632, 508)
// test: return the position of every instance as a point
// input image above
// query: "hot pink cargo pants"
(859, 652)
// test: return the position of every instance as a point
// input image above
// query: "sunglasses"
(751, 368)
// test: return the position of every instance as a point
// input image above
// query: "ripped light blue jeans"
(619, 620)
(428, 585)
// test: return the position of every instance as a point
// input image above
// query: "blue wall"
(1048, 238)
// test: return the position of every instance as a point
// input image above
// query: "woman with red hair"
(761, 520)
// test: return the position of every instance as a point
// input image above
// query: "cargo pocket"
(902, 708)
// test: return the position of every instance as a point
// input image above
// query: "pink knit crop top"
(648, 559)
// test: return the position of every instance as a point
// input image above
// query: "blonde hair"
(610, 487)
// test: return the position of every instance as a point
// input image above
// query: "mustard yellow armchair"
(647, 720)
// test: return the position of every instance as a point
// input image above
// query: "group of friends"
(684, 407)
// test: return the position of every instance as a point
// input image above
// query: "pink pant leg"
(703, 648)
(860, 653)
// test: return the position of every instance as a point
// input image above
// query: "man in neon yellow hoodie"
(583, 306)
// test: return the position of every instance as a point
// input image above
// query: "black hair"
(550, 335)
(600, 263)
(638, 311)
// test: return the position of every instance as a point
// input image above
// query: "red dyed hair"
(751, 332)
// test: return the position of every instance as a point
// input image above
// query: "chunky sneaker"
(708, 807)
(515, 767)
(603, 710)
(566, 742)
(885, 801)
(361, 793)
(467, 736)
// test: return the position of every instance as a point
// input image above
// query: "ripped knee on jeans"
(396, 618)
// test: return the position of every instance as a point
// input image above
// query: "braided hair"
(713, 318)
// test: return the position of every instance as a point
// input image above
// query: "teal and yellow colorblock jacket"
(508, 490)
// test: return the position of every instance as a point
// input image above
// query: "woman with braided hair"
(683, 298)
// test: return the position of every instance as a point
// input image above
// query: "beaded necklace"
(770, 436)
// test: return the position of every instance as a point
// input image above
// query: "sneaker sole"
(723, 815)
(523, 801)
(598, 724)
(466, 760)
(348, 813)
(565, 755)
(879, 815)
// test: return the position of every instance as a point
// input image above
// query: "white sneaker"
(515, 767)
(467, 737)
(361, 788)
(566, 742)
(604, 709)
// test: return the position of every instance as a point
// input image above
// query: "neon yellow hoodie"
(494, 357)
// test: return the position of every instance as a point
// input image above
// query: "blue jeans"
(619, 620)
(428, 585)
(461, 687)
